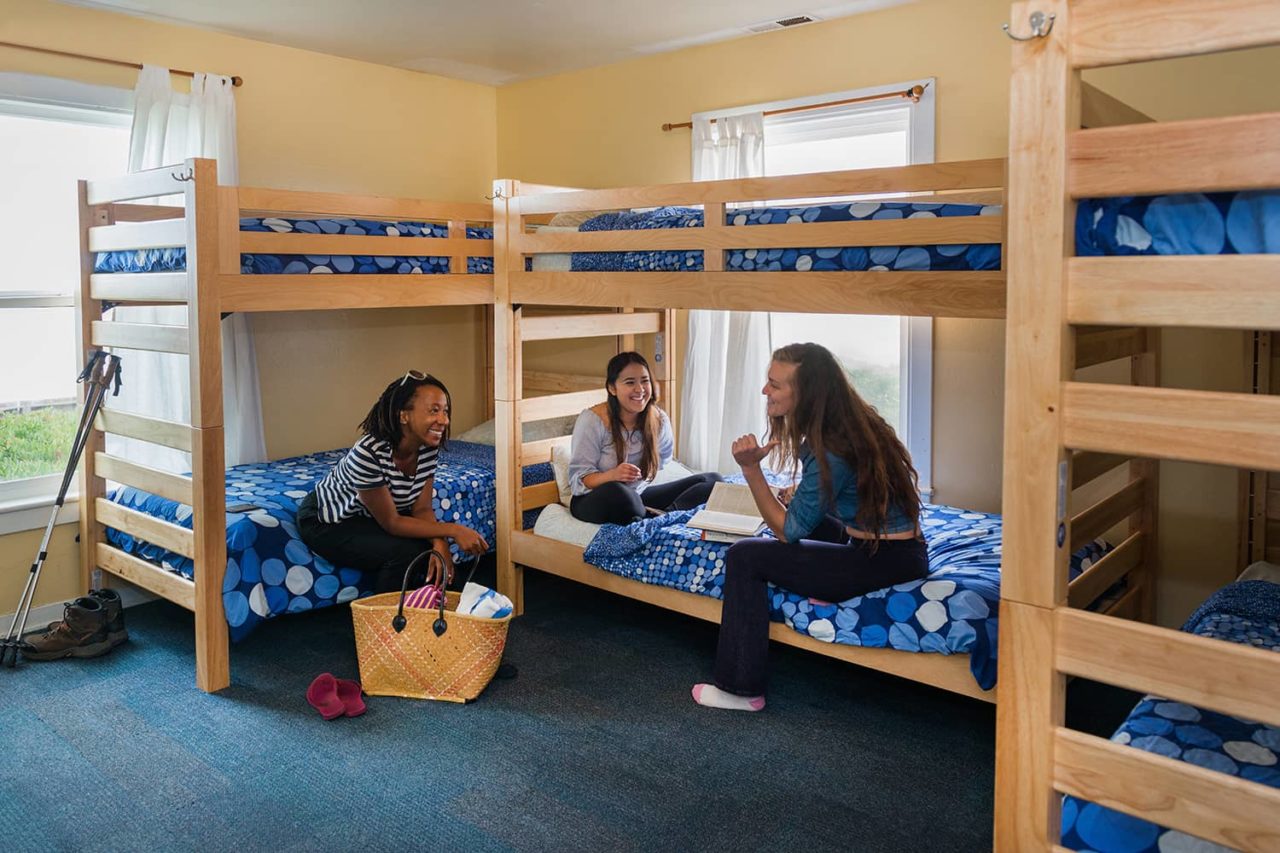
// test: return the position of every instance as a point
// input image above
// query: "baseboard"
(46, 613)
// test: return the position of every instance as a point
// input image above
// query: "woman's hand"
(786, 493)
(748, 453)
(468, 540)
(441, 547)
(625, 472)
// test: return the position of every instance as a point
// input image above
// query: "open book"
(730, 514)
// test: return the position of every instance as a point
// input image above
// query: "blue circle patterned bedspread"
(952, 611)
(1224, 223)
(175, 259)
(1246, 612)
(270, 570)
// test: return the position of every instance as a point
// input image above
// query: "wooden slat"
(968, 174)
(1106, 513)
(151, 182)
(149, 576)
(140, 336)
(155, 430)
(144, 212)
(1196, 155)
(1087, 466)
(156, 234)
(922, 231)
(1180, 795)
(958, 294)
(536, 452)
(139, 287)
(1227, 291)
(1105, 32)
(172, 486)
(539, 495)
(321, 292)
(1206, 673)
(298, 243)
(1239, 430)
(948, 672)
(1102, 575)
(590, 326)
(154, 530)
(265, 200)
(556, 405)
(1103, 345)
(543, 380)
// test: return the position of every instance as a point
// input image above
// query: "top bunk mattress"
(1224, 223)
(175, 259)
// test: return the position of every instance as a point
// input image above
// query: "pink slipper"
(349, 694)
(323, 696)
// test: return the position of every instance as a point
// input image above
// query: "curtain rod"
(913, 95)
(235, 81)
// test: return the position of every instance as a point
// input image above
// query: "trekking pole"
(101, 373)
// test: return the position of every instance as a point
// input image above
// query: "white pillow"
(670, 472)
(533, 430)
(1261, 571)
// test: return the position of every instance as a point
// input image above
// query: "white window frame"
(916, 339)
(25, 504)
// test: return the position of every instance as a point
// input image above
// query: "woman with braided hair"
(373, 511)
(851, 525)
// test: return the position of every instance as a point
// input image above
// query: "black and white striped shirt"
(369, 465)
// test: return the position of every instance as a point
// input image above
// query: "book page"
(733, 498)
(726, 522)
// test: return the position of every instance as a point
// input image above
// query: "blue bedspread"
(1246, 612)
(1187, 224)
(952, 611)
(269, 569)
(174, 260)
(951, 257)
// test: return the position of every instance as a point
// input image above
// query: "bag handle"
(440, 625)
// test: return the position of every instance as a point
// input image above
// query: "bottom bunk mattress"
(1246, 612)
(269, 569)
(952, 611)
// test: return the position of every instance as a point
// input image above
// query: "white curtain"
(728, 350)
(168, 128)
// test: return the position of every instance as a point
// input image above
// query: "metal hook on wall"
(189, 175)
(1041, 26)
(497, 193)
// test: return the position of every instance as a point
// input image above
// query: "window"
(889, 359)
(53, 134)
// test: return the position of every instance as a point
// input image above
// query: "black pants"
(618, 503)
(361, 543)
(830, 566)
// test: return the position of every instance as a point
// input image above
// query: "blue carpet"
(596, 745)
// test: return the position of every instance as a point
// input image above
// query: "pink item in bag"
(424, 598)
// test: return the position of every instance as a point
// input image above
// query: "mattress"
(951, 611)
(1246, 612)
(175, 259)
(1185, 224)
(270, 570)
(984, 256)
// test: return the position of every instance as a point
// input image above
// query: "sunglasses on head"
(415, 375)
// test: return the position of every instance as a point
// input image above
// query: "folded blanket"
(477, 600)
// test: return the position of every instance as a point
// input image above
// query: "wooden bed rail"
(166, 180)
(1104, 32)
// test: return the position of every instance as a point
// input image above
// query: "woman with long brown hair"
(852, 524)
(620, 445)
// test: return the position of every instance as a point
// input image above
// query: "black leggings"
(361, 543)
(618, 503)
(829, 566)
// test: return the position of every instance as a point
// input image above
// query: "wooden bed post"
(1040, 354)
(89, 309)
(1145, 370)
(208, 454)
(507, 377)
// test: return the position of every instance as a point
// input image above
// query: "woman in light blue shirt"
(851, 526)
(618, 448)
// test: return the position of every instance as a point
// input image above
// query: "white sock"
(711, 696)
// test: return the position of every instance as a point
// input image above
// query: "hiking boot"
(82, 633)
(110, 599)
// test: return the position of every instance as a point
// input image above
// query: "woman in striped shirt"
(373, 511)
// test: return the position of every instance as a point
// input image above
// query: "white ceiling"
(486, 41)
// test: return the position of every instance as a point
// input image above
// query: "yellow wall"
(306, 121)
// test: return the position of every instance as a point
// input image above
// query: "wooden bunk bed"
(979, 294)
(1050, 420)
(207, 226)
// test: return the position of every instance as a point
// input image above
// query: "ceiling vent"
(782, 24)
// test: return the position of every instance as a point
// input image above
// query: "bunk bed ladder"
(1053, 421)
